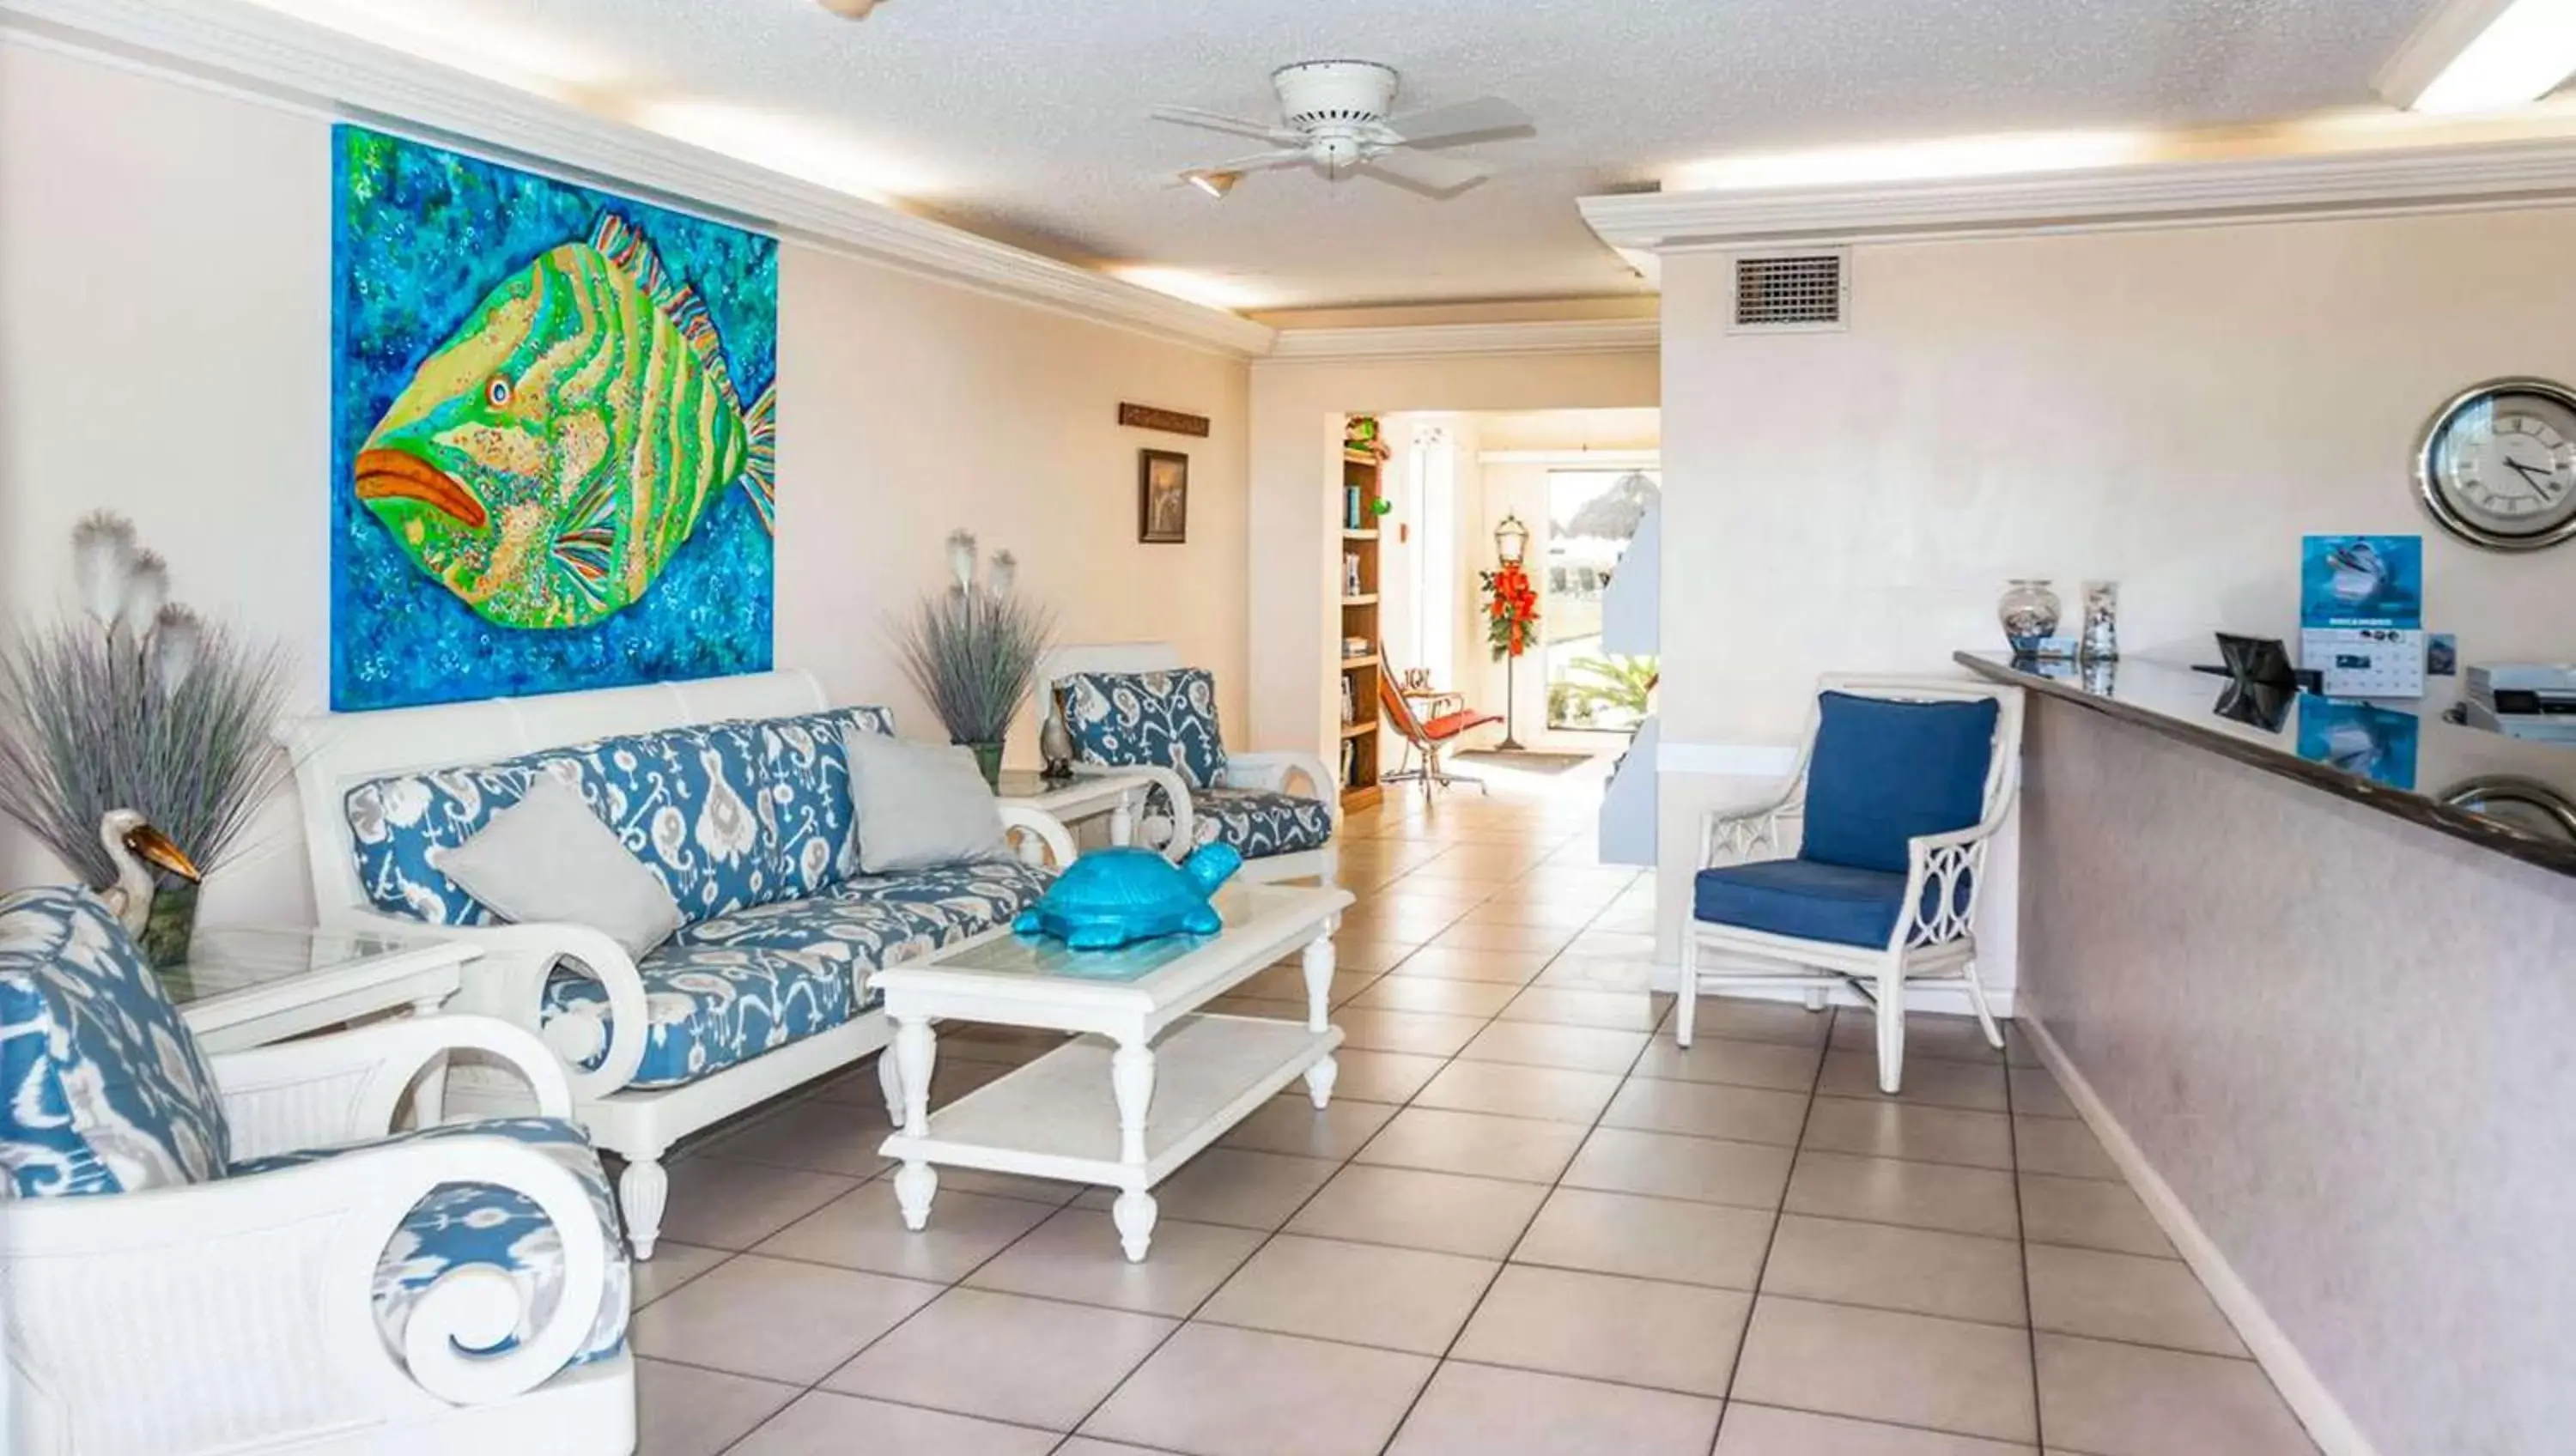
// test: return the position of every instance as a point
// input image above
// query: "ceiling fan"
(1334, 118)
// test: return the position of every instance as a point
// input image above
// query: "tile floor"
(1528, 1224)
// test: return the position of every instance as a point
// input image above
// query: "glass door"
(1592, 515)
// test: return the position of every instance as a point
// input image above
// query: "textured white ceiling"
(1026, 119)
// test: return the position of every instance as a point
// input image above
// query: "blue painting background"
(421, 235)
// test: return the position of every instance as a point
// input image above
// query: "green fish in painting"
(546, 462)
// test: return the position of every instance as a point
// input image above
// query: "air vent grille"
(1801, 291)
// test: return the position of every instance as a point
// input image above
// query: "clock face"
(2498, 467)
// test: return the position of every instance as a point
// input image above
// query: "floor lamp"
(1511, 545)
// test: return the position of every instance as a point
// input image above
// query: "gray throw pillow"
(548, 858)
(920, 805)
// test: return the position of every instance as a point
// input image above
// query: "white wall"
(2170, 409)
(165, 351)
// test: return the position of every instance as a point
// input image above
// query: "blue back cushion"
(102, 1089)
(809, 796)
(1154, 719)
(1883, 772)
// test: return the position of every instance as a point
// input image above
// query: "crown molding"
(1443, 341)
(2458, 178)
(249, 50)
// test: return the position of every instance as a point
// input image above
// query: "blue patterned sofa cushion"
(1808, 899)
(1259, 822)
(398, 824)
(102, 1089)
(480, 1223)
(1154, 719)
(808, 812)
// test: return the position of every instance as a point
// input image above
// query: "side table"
(1084, 796)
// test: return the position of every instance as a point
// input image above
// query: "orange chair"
(1427, 739)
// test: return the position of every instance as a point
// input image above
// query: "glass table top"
(226, 959)
(1046, 957)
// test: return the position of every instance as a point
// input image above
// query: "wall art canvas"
(554, 421)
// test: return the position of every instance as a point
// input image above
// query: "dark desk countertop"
(2509, 795)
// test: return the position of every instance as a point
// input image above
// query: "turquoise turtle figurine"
(1110, 897)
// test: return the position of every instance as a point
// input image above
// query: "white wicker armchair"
(237, 1315)
(1933, 937)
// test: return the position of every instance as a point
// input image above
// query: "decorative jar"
(2029, 612)
(2101, 639)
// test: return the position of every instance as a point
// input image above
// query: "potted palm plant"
(134, 736)
(972, 648)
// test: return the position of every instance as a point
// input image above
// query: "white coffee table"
(1146, 1082)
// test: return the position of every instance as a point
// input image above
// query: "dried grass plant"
(972, 647)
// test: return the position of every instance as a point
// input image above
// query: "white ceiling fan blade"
(1425, 172)
(1259, 162)
(1218, 121)
(1444, 124)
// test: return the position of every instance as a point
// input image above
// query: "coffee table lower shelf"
(1058, 1116)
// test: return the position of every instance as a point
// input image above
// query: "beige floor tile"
(1229, 1392)
(1648, 1238)
(1908, 1369)
(1599, 943)
(1882, 1129)
(681, 1410)
(1382, 1076)
(1548, 915)
(1414, 1032)
(1924, 1271)
(672, 1265)
(2090, 1213)
(1038, 1362)
(863, 1229)
(1512, 968)
(2061, 1146)
(1289, 1123)
(1008, 1185)
(1397, 991)
(1975, 1086)
(2019, 1050)
(1267, 1008)
(1629, 975)
(1089, 1446)
(1447, 1212)
(1009, 1046)
(1539, 1044)
(1483, 1410)
(775, 1320)
(812, 1133)
(1075, 1255)
(1528, 939)
(1761, 1430)
(858, 1086)
(2036, 1094)
(1235, 1186)
(1918, 1195)
(1562, 1006)
(2126, 1400)
(1474, 1143)
(1418, 925)
(1743, 1019)
(1288, 983)
(1360, 1294)
(1777, 1066)
(2125, 1297)
(1555, 1094)
(1669, 1165)
(1359, 954)
(954, 1077)
(825, 1424)
(1668, 1336)
(720, 1203)
(1947, 1038)
(1708, 1109)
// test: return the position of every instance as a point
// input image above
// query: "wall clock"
(2497, 466)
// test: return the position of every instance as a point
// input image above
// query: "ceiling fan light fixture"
(849, 9)
(1213, 183)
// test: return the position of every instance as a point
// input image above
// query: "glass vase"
(170, 925)
(988, 761)
(2029, 612)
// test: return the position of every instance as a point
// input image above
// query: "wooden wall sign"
(1170, 422)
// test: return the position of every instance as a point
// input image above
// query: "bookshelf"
(1355, 586)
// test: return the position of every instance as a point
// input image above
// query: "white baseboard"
(1667, 978)
(2329, 1425)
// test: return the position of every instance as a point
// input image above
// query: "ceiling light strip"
(2483, 55)
(279, 57)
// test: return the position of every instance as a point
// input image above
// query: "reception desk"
(2323, 1011)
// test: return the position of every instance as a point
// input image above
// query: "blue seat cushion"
(102, 1089)
(1258, 822)
(481, 1223)
(1807, 899)
(1883, 772)
(725, 990)
(1147, 719)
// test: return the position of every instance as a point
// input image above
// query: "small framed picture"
(1162, 497)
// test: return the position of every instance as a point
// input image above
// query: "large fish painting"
(555, 415)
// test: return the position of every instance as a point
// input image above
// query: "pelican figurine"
(137, 850)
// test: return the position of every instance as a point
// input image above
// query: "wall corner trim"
(264, 54)
(1442, 341)
(2474, 177)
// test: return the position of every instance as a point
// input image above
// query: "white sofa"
(1255, 804)
(643, 1073)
